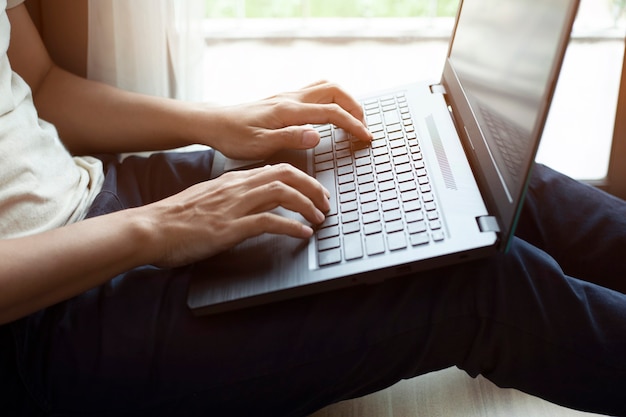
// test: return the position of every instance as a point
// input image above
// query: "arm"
(40, 270)
(93, 117)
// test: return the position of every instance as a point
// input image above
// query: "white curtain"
(149, 46)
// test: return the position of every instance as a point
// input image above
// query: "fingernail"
(310, 138)
(306, 231)
(320, 217)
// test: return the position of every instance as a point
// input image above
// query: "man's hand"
(214, 216)
(258, 130)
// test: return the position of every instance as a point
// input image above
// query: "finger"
(294, 178)
(326, 113)
(277, 194)
(258, 224)
(325, 93)
(293, 137)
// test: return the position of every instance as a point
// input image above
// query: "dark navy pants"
(548, 318)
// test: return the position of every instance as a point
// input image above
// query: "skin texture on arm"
(43, 269)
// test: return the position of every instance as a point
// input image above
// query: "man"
(96, 257)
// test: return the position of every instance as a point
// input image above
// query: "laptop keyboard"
(381, 196)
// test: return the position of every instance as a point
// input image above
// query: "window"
(258, 47)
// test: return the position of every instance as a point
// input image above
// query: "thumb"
(298, 137)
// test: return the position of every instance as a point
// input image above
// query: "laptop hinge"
(488, 224)
(437, 89)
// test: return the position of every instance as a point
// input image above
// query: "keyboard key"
(393, 227)
(324, 166)
(382, 159)
(402, 159)
(330, 243)
(374, 119)
(388, 195)
(369, 207)
(345, 188)
(350, 216)
(396, 241)
(340, 135)
(353, 246)
(327, 179)
(414, 216)
(380, 151)
(367, 188)
(383, 168)
(371, 217)
(350, 206)
(396, 144)
(375, 244)
(372, 228)
(329, 257)
(378, 138)
(341, 146)
(390, 205)
(376, 128)
(348, 169)
(432, 215)
(344, 161)
(435, 225)
(419, 239)
(364, 179)
(412, 205)
(363, 162)
(400, 169)
(409, 195)
(407, 186)
(438, 236)
(362, 150)
(385, 176)
(325, 146)
(405, 177)
(392, 215)
(386, 186)
(324, 157)
(394, 128)
(368, 197)
(349, 228)
(399, 151)
(330, 221)
(344, 179)
(328, 232)
(344, 198)
(364, 170)
(416, 227)
(393, 136)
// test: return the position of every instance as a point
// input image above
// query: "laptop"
(442, 182)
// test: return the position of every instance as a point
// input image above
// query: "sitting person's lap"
(132, 345)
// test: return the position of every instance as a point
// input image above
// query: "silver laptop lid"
(500, 75)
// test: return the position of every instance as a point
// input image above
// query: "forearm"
(92, 117)
(41, 270)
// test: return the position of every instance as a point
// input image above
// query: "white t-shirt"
(42, 186)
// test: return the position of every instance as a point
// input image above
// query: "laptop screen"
(505, 59)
